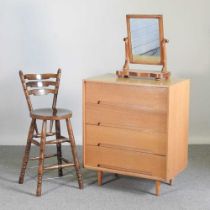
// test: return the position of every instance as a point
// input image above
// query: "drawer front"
(148, 142)
(125, 117)
(126, 160)
(151, 98)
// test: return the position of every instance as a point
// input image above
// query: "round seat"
(51, 114)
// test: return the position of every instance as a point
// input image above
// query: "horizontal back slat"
(40, 92)
(39, 76)
(40, 83)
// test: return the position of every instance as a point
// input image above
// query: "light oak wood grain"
(114, 80)
(149, 98)
(157, 187)
(178, 123)
(149, 142)
(125, 160)
(116, 116)
(136, 127)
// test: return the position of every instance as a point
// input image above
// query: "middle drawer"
(125, 117)
(148, 142)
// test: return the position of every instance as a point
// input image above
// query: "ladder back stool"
(39, 85)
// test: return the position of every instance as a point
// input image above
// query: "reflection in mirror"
(145, 40)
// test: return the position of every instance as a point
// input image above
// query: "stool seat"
(51, 114)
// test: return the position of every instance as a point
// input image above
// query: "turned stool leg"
(74, 153)
(58, 145)
(157, 188)
(27, 151)
(41, 158)
(100, 177)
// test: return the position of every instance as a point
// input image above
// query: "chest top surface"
(113, 79)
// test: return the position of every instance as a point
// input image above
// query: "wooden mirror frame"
(126, 72)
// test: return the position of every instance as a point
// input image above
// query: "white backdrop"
(84, 38)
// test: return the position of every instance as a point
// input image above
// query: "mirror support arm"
(127, 60)
(164, 42)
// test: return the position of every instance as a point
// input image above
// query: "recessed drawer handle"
(98, 123)
(125, 169)
(124, 148)
(98, 102)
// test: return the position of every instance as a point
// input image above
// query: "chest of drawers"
(135, 127)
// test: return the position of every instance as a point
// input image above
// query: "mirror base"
(143, 74)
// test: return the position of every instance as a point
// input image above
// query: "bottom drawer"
(125, 160)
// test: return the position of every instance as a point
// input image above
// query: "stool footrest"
(62, 139)
(65, 160)
(38, 135)
(45, 157)
(33, 141)
(59, 166)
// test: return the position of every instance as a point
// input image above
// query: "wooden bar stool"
(38, 85)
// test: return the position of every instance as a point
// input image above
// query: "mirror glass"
(145, 40)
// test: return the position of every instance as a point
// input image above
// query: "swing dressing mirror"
(145, 44)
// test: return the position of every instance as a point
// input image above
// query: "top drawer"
(154, 98)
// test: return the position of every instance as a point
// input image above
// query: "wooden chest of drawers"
(135, 127)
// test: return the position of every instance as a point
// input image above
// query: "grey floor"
(190, 191)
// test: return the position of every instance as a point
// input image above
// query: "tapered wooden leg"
(27, 152)
(157, 188)
(100, 177)
(170, 182)
(58, 145)
(41, 158)
(74, 153)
